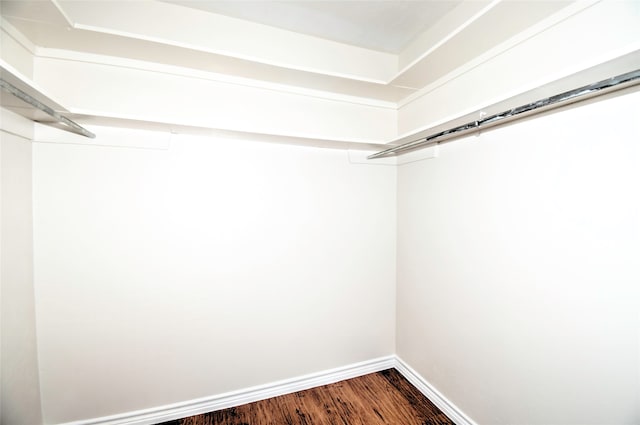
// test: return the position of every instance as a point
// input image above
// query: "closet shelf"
(24, 97)
(52, 113)
(537, 90)
(412, 140)
(60, 117)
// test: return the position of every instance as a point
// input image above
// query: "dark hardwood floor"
(379, 398)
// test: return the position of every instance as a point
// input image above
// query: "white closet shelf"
(22, 96)
(20, 81)
(98, 118)
(536, 90)
(541, 89)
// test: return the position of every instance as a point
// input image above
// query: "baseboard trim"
(288, 386)
(441, 402)
(237, 398)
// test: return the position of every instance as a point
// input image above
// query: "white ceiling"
(381, 25)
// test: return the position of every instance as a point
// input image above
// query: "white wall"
(167, 275)
(20, 400)
(518, 272)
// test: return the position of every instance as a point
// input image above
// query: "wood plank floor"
(379, 398)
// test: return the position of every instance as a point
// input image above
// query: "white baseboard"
(274, 389)
(237, 398)
(441, 402)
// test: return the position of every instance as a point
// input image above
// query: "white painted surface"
(244, 396)
(155, 74)
(396, 23)
(16, 49)
(168, 275)
(103, 89)
(518, 268)
(262, 54)
(493, 26)
(216, 245)
(533, 62)
(20, 399)
(457, 19)
(445, 405)
(165, 23)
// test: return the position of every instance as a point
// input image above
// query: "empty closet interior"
(208, 203)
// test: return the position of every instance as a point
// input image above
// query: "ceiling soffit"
(251, 51)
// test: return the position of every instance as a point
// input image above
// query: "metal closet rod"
(25, 97)
(628, 79)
